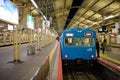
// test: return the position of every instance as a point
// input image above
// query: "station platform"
(115, 45)
(112, 55)
(31, 63)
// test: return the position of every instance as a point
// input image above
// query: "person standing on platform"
(104, 43)
(97, 48)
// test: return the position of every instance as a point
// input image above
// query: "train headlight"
(66, 56)
(92, 56)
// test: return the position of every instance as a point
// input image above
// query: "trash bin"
(30, 49)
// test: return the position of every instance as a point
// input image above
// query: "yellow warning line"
(53, 51)
(109, 58)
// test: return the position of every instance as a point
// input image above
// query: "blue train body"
(78, 43)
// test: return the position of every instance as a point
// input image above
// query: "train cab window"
(68, 41)
(79, 41)
(88, 41)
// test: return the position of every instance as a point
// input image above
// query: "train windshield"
(79, 41)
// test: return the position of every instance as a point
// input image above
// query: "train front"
(78, 47)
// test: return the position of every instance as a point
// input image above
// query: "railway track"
(71, 75)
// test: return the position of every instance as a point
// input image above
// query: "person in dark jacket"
(97, 48)
(104, 43)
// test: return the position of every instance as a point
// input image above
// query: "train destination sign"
(88, 34)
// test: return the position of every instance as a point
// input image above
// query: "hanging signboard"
(10, 27)
(117, 25)
(9, 12)
(46, 23)
(118, 38)
(114, 31)
(30, 21)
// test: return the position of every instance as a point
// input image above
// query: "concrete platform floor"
(25, 70)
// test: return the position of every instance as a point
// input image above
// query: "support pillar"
(11, 37)
(43, 40)
(38, 41)
(4, 38)
(17, 45)
(31, 37)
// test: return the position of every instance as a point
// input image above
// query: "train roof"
(78, 29)
(78, 32)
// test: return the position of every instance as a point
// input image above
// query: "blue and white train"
(78, 46)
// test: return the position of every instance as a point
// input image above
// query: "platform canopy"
(78, 13)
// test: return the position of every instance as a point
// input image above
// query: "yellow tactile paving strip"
(110, 59)
(53, 51)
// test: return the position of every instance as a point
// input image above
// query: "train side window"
(88, 41)
(79, 41)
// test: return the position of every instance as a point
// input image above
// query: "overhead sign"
(30, 21)
(10, 27)
(118, 38)
(117, 25)
(46, 23)
(114, 31)
(9, 12)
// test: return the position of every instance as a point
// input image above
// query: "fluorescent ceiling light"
(111, 16)
(44, 17)
(34, 3)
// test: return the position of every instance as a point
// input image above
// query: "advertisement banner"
(9, 12)
(30, 21)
